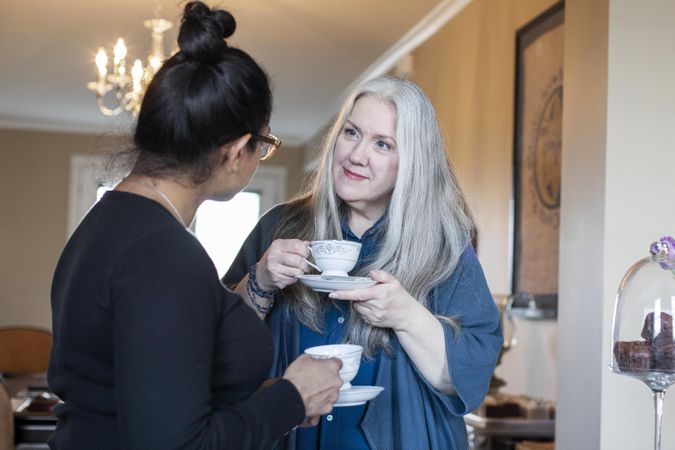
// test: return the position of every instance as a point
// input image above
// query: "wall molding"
(425, 28)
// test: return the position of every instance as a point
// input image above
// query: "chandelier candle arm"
(137, 75)
(119, 53)
(158, 27)
(102, 64)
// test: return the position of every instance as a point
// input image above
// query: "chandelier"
(123, 90)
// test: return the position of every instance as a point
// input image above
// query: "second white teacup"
(350, 355)
(335, 258)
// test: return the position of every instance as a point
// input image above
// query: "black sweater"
(150, 350)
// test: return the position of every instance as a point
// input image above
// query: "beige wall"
(34, 190)
(468, 70)
(34, 195)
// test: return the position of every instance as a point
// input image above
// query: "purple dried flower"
(665, 248)
(669, 243)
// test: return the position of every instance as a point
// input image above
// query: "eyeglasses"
(268, 145)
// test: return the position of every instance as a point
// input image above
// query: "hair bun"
(203, 32)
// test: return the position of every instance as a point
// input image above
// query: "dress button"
(341, 319)
(329, 417)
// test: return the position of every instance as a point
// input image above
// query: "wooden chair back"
(24, 350)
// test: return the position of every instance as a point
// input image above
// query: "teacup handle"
(311, 263)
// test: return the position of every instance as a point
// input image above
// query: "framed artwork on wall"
(536, 164)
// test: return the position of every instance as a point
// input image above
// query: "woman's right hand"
(282, 263)
(318, 382)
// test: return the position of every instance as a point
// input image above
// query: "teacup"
(349, 354)
(335, 258)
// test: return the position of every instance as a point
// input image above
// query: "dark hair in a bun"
(205, 96)
(203, 32)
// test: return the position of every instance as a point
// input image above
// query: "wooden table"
(34, 422)
(496, 434)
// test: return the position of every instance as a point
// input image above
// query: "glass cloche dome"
(642, 331)
(642, 336)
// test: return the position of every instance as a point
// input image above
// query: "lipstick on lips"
(353, 176)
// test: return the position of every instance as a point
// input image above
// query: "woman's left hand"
(385, 305)
(389, 305)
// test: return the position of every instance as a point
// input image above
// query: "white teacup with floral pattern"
(335, 258)
(350, 355)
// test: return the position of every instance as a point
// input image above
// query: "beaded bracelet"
(251, 296)
(260, 292)
(253, 289)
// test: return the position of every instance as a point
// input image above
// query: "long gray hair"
(427, 224)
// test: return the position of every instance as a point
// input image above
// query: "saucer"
(321, 283)
(357, 395)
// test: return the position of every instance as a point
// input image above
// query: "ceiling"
(313, 50)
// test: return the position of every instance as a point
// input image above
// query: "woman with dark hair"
(150, 350)
(429, 327)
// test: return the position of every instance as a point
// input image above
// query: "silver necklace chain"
(168, 200)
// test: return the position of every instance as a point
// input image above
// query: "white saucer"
(320, 283)
(357, 395)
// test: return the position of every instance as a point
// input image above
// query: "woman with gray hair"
(429, 327)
